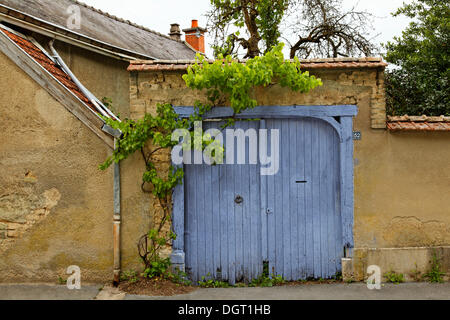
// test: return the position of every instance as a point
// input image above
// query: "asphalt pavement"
(353, 291)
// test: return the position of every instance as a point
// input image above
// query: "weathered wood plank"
(280, 112)
(294, 212)
(347, 181)
(255, 225)
(264, 192)
(323, 197)
(271, 207)
(208, 221)
(178, 227)
(215, 186)
(285, 196)
(309, 235)
(224, 222)
(301, 200)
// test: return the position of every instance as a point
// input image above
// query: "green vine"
(225, 80)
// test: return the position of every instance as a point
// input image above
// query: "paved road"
(356, 291)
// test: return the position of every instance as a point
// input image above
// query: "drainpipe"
(98, 105)
(117, 221)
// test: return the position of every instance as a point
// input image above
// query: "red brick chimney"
(195, 36)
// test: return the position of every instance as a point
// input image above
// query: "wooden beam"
(280, 112)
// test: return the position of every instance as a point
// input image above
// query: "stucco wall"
(102, 75)
(56, 206)
(402, 180)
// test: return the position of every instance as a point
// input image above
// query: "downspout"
(98, 105)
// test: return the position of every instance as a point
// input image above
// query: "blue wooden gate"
(233, 220)
(304, 233)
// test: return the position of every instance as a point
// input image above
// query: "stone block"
(347, 269)
(13, 233)
(14, 226)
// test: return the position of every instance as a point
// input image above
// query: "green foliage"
(137, 133)
(150, 244)
(158, 269)
(62, 281)
(322, 28)
(435, 275)
(262, 281)
(260, 18)
(208, 282)
(130, 276)
(228, 79)
(180, 278)
(270, 16)
(415, 273)
(265, 281)
(338, 276)
(349, 281)
(107, 102)
(421, 83)
(394, 277)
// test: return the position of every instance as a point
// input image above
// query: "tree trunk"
(253, 41)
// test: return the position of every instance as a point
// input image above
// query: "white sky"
(158, 15)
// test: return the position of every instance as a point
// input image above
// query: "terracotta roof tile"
(332, 63)
(41, 58)
(418, 123)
